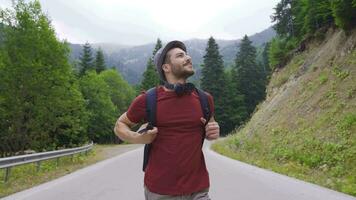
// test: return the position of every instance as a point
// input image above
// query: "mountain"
(131, 61)
(306, 127)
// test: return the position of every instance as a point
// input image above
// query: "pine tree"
(99, 61)
(248, 76)
(318, 14)
(157, 47)
(235, 107)
(150, 76)
(284, 18)
(213, 81)
(86, 59)
(344, 13)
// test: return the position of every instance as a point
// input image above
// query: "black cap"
(160, 55)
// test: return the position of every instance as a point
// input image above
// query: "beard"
(182, 72)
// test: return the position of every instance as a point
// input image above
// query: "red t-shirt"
(176, 164)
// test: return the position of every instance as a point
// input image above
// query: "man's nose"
(188, 58)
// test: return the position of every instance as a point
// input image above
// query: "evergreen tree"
(41, 106)
(213, 81)
(157, 47)
(283, 17)
(265, 60)
(318, 14)
(99, 61)
(234, 108)
(248, 77)
(344, 12)
(150, 76)
(86, 59)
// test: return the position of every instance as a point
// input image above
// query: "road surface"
(121, 178)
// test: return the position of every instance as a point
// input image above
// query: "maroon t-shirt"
(176, 164)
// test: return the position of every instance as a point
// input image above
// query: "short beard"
(182, 73)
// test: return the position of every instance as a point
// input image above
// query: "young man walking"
(176, 167)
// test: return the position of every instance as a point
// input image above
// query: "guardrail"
(13, 161)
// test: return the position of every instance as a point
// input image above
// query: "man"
(176, 166)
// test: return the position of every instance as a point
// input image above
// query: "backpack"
(151, 106)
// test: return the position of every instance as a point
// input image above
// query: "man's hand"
(212, 129)
(146, 137)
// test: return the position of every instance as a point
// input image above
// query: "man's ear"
(166, 67)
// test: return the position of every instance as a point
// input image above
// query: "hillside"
(306, 127)
(131, 61)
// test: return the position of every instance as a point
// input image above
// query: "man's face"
(180, 63)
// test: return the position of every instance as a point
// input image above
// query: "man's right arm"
(123, 131)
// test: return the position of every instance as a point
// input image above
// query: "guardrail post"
(86, 152)
(72, 157)
(57, 163)
(7, 173)
(38, 165)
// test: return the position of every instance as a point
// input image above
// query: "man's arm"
(123, 131)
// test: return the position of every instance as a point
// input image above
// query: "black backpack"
(151, 105)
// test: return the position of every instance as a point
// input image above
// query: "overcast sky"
(135, 22)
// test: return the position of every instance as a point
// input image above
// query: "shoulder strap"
(151, 107)
(204, 102)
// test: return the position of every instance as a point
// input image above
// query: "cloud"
(137, 22)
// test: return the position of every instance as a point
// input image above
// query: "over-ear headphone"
(180, 89)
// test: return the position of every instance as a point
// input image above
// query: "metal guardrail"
(13, 161)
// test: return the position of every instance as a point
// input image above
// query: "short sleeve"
(137, 110)
(211, 103)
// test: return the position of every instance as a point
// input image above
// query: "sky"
(137, 22)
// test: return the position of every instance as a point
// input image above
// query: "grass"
(26, 176)
(292, 68)
(309, 134)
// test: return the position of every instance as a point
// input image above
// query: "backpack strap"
(151, 107)
(204, 102)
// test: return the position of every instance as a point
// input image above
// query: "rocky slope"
(306, 127)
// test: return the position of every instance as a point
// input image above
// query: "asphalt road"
(121, 178)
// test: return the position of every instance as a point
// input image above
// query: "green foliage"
(150, 76)
(341, 74)
(41, 105)
(278, 51)
(234, 108)
(306, 129)
(323, 78)
(265, 59)
(297, 21)
(86, 60)
(102, 111)
(284, 17)
(157, 47)
(121, 93)
(318, 14)
(99, 61)
(344, 13)
(249, 79)
(215, 82)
